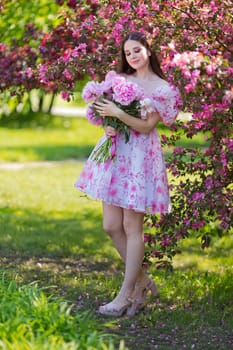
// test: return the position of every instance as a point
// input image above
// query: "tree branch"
(202, 28)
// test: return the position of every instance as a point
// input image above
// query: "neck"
(143, 74)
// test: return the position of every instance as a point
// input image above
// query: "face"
(136, 54)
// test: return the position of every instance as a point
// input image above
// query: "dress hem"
(143, 211)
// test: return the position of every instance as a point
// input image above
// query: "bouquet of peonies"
(126, 95)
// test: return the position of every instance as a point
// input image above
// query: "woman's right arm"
(144, 126)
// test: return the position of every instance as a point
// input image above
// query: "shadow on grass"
(219, 247)
(71, 257)
(27, 233)
(194, 311)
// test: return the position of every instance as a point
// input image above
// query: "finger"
(99, 104)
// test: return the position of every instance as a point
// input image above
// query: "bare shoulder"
(155, 81)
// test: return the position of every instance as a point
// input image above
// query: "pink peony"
(126, 92)
(91, 116)
(92, 91)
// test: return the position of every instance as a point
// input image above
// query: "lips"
(135, 62)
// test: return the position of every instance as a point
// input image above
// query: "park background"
(57, 264)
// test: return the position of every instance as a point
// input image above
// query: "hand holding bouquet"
(126, 95)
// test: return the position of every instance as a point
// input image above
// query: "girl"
(135, 183)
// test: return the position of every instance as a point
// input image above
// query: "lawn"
(57, 264)
(63, 138)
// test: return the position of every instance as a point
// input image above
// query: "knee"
(111, 227)
(132, 228)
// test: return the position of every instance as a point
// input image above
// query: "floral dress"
(136, 179)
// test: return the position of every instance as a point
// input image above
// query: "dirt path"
(14, 166)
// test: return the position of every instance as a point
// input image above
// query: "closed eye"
(136, 50)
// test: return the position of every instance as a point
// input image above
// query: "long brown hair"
(124, 67)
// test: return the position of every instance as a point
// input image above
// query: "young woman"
(135, 183)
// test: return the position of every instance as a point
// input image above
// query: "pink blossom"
(223, 158)
(65, 95)
(228, 96)
(82, 47)
(165, 242)
(186, 221)
(210, 69)
(142, 10)
(29, 72)
(155, 253)
(126, 5)
(67, 74)
(75, 52)
(187, 58)
(66, 55)
(198, 196)
(209, 182)
(91, 116)
(198, 224)
(178, 150)
(42, 72)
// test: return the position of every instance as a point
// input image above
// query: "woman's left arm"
(144, 126)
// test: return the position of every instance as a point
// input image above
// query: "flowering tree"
(194, 43)
(21, 33)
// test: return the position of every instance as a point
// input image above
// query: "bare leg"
(113, 226)
(133, 226)
(125, 227)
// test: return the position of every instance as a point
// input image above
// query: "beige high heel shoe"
(140, 292)
(115, 308)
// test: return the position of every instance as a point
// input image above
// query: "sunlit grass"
(48, 209)
(62, 138)
(52, 235)
(216, 258)
(75, 140)
(30, 319)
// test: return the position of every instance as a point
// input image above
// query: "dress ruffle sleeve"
(167, 102)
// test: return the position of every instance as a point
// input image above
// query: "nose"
(133, 56)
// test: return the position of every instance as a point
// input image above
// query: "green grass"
(65, 138)
(52, 236)
(58, 266)
(30, 319)
(61, 139)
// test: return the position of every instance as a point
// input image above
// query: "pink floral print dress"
(136, 179)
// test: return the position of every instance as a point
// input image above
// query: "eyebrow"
(136, 47)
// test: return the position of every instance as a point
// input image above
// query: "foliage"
(23, 20)
(52, 236)
(196, 51)
(22, 24)
(31, 320)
